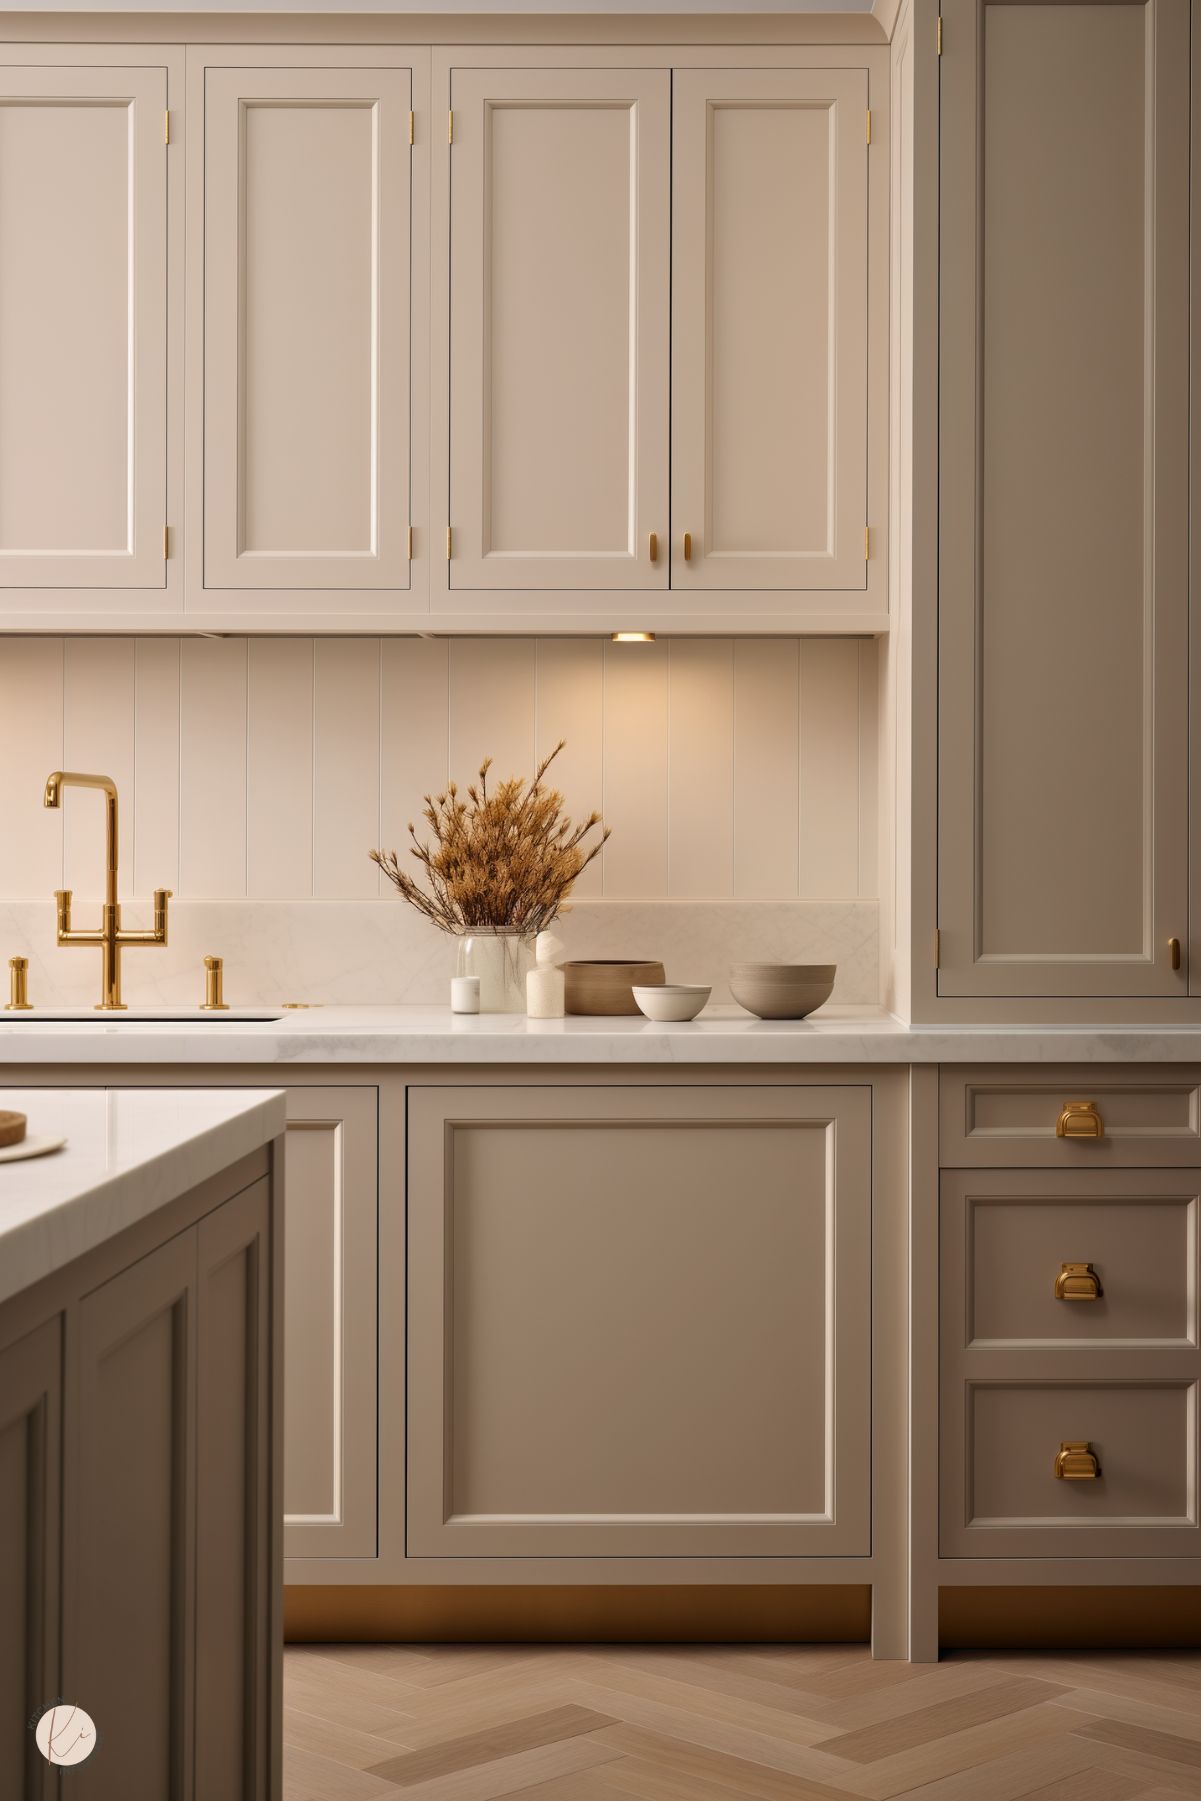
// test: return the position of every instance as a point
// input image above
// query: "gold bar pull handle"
(1076, 1461)
(18, 986)
(1080, 1119)
(1174, 952)
(213, 999)
(1077, 1282)
(652, 545)
(688, 547)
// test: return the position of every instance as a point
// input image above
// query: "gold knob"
(1079, 1119)
(18, 986)
(1077, 1282)
(688, 547)
(653, 547)
(1076, 1462)
(213, 1001)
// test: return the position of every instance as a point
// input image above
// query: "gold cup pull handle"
(1080, 1119)
(653, 547)
(688, 547)
(1077, 1282)
(1076, 1461)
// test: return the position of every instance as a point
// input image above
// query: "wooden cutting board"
(12, 1128)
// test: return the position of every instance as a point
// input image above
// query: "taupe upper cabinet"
(306, 295)
(1063, 577)
(559, 278)
(769, 329)
(83, 335)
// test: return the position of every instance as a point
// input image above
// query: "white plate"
(30, 1147)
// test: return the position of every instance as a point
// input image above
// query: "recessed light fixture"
(631, 637)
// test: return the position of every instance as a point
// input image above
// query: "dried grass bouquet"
(504, 861)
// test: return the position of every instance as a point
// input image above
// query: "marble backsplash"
(380, 951)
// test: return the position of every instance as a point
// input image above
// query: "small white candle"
(464, 994)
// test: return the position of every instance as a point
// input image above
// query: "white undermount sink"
(141, 1016)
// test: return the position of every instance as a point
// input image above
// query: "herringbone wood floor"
(768, 1723)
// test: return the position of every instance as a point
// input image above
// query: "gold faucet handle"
(62, 898)
(214, 1001)
(18, 1001)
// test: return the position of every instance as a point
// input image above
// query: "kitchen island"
(139, 1429)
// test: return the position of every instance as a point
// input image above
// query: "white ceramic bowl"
(673, 1001)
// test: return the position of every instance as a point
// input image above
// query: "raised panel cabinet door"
(639, 1322)
(769, 328)
(235, 1659)
(1063, 508)
(30, 1550)
(307, 391)
(83, 328)
(330, 1350)
(129, 1584)
(559, 320)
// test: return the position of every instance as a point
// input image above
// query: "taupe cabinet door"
(559, 275)
(639, 1321)
(1063, 583)
(306, 332)
(769, 328)
(330, 1323)
(83, 329)
(31, 1395)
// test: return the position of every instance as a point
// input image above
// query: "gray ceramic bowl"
(782, 990)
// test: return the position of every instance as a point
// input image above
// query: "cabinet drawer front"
(639, 1321)
(1001, 1495)
(1010, 1237)
(1012, 1116)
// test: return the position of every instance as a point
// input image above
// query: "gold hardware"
(867, 543)
(869, 124)
(166, 128)
(937, 946)
(1080, 1119)
(409, 543)
(450, 128)
(166, 542)
(1174, 952)
(1077, 1282)
(1074, 1462)
(18, 986)
(213, 1001)
(448, 544)
(410, 128)
(653, 547)
(109, 936)
(688, 547)
(939, 50)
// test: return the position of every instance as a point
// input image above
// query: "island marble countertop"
(128, 1152)
(433, 1035)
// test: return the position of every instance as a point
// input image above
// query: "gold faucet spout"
(73, 778)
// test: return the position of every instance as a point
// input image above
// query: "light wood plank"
(700, 765)
(98, 735)
(31, 745)
(279, 769)
(829, 829)
(414, 728)
(766, 768)
(636, 769)
(570, 707)
(212, 768)
(491, 708)
(156, 765)
(346, 757)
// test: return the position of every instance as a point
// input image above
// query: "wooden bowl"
(782, 990)
(604, 988)
(12, 1128)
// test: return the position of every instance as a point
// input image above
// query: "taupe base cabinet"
(137, 1504)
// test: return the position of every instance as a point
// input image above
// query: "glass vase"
(501, 960)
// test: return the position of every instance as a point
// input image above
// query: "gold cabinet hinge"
(937, 948)
(166, 542)
(450, 127)
(166, 128)
(939, 36)
(448, 544)
(869, 124)
(410, 128)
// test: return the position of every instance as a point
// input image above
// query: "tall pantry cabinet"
(1063, 532)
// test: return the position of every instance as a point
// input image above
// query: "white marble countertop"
(128, 1152)
(422, 1036)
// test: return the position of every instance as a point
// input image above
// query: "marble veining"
(128, 1152)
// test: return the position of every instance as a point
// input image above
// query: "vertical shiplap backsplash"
(267, 768)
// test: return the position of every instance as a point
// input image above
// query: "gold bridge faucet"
(110, 937)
